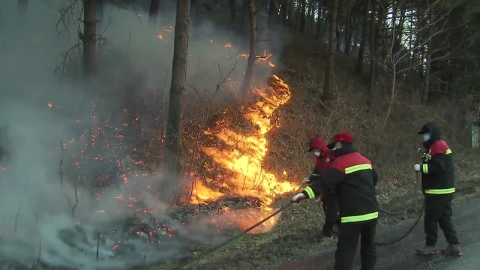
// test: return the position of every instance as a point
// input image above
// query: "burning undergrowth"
(136, 222)
(99, 200)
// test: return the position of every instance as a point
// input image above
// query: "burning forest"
(86, 189)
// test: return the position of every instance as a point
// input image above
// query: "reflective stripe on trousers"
(360, 218)
(440, 191)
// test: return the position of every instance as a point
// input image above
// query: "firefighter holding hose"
(352, 177)
(438, 185)
(323, 161)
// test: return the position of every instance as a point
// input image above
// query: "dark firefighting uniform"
(329, 199)
(438, 185)
(353, 178)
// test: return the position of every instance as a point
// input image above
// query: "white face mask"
(317, 154)
(426, 137)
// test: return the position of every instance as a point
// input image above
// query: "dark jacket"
(437, 166)
(323, 162)
(353, 178)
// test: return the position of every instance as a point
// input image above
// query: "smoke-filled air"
(82, 180)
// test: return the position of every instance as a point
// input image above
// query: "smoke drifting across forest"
(38, 110)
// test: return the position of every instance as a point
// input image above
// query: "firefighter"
(323, 160)
(353, 178)
(438, 186)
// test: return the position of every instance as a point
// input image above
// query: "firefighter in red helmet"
(353, 178)
(323, 160)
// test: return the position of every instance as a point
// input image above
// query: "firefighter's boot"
(453, 250)
(428, 250)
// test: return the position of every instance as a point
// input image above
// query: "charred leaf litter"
(126, 243)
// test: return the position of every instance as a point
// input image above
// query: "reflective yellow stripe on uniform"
(425, 168)
(357, 168)
(359, 218)
(310, 192)
(440, 191)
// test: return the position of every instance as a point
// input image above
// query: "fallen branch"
(61, 174)
(39, 251)
(98, 244)
(61, 162)
(16, 219)
(76, 201)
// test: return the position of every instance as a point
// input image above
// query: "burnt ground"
(285, 244)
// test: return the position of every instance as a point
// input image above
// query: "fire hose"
(283, 208)
(410, 230)
(215, 248)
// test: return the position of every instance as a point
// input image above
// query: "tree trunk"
(89, 39)
(173, 140)
(327, 90)
(284, 11)
(391, 53)
(22, 5)
(291, 13)
(400, 28)
(272, 13)
(339, 47)
(372, 49)
(153, 11)
(363, 42)
(193, 12)
(302, 14)
(379, 43)
(348, 32)
(319, 19)
(243, 15)
(428, 60)
(356, 41)
(325, 22)
(233, 12)
(253, 43)
(309, 17)
(100, 12)
(22, 10)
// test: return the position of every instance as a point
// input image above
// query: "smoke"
(38, 110)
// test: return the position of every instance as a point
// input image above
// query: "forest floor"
(391, 146)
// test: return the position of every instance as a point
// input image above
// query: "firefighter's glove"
(298, 198)
(416, 167)
(306, 180)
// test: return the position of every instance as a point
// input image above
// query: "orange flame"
(247, 162)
